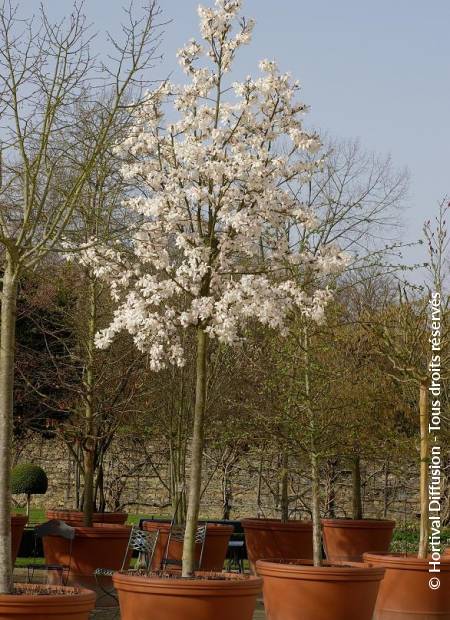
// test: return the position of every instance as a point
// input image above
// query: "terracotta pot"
(141, 598)
(405, 593)
(270, 538)
(69, 606)
(214, 553)
(18, 523)
(347, 539)
(101, 546)
(75, 517)
(300, 591)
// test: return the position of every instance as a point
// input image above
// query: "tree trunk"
(88, 495)
(386, 490)
(177, 449)
(315, 509)
(424, 460)
(357, 510)
(89, 447)
(7, 351)
(285, 488)
(314, 456)
(227, 495)
(331, 488)
(196, 457)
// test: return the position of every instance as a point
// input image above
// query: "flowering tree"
(214, 249)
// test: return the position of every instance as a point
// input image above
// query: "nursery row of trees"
(256, 269)
(363, 408)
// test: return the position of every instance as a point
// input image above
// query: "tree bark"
(314, 459)
(285, 488)
(424, 460)
(357, 510)
(259, 510)
(386, 489)
(196, 457)
(7, 352)
(89, 449)
(331, 489)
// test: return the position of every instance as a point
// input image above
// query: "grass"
(37, 515)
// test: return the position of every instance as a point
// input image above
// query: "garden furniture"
(52, 528)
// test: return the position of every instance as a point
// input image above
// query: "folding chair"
(52, 528)
(141, 541)
(176, 535)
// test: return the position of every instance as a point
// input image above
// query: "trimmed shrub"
(28, 479)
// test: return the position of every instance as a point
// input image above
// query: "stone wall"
(137, 481)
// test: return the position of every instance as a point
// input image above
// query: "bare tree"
(46, 72)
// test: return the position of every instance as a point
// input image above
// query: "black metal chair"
(140, 541)
(176, 535)
(52, 528)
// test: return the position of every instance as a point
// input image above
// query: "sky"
(375, 71)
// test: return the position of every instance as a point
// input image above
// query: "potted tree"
(27, 479)
(348, 538)
(211, 254)
(321, 589)
(413, 344)
(346, 194)
(45, 72)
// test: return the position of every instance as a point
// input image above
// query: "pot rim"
(100, 530)
(140, 583)
(81, 596)
(274, 524)
(19, 518)
(304, 569)
(359, 523)
(80, 512)
(212, 528)
(404, 561)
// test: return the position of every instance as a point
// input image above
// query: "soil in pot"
(101, 546)
(75, 517)
(205, 597)
(405, 593)
(347, 539)
(214, 553)
(297, 590)
(18, 523)
(36, 602)
(270, 538)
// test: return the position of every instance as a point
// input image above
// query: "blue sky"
(377, 71)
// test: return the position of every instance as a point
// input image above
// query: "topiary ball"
(29, 479)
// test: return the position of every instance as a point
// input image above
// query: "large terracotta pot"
(75, 517)
(69, 606)
(101, 546)
(297, 590)
(228, 598)
(406, 593)
(270, 538)
(214, 553)
(347, 539)
(18, 523)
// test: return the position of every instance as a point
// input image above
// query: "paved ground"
(111, 614)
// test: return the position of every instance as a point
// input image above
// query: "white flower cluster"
(212, 249)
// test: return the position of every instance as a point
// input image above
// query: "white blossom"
(211, 249)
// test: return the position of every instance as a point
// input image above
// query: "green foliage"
(29, 479)
(406, 538)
